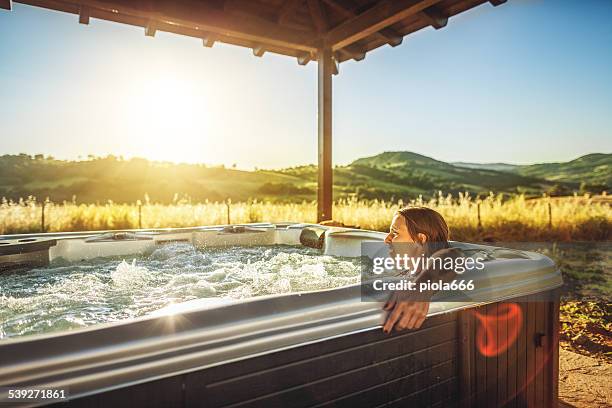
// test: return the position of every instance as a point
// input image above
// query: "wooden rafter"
(208, 39)
(287, 10)
(318, 15)
(193, 14)
(305, 58)
(259, 51)
(391, 36)
(84, 15)
(150, 28)
(378, 17)
(435, 17)
(297, 28)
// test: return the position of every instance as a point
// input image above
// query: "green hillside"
(119, 180)
(387, 175)
(593, 168)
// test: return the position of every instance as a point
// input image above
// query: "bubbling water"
(64, 296)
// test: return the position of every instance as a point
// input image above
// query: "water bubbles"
(64, 296)
(129, 275)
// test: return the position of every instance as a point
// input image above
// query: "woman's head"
(419, 225)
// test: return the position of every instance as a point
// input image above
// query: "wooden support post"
(6, 4)
(324, 192)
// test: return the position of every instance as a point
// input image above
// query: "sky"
(525, 82)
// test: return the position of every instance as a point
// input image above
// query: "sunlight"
(165, 117)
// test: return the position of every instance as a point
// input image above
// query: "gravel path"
(584, 381)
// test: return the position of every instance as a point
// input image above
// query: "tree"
(559, 190)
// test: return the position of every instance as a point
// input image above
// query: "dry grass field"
(577, 218)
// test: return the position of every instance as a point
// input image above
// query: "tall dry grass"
(515, 219)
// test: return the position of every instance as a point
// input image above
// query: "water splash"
(65, 296)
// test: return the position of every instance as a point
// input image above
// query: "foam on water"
(64, 296)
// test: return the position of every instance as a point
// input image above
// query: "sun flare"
(165, 119)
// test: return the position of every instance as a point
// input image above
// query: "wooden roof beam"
(374, 19)
(192, 13)
(391, 36)
(347, 54)
(287, 10)
(150, 28)
(318, 15)
(435, 17)
(259, 51)
(305, 58)
(209, 39)
(84, 15)
(6, 4)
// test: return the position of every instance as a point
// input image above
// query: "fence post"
(549, 216)
(228, 202)
(42, 216)
(139, 214)
(479, 219)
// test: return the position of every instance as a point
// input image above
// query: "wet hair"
(423, 220)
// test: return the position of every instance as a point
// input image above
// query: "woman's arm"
(408, 309)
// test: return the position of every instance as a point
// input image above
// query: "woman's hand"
(404, 313)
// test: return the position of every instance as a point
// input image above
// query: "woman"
(422, 232)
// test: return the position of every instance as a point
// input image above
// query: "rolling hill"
(385, 175)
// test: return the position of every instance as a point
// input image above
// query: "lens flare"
(488, 342)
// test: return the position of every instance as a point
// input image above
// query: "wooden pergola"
(326, 31)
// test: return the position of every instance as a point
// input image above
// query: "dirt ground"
(584, 381)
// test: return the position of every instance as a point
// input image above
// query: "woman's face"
(398, 233)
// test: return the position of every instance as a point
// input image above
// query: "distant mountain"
(595, 168)
(487, 166)
(386, 175)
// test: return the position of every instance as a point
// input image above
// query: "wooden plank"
(492, 371)
(502, 357)
(521, 359)
(318, 15)
(391, 36)
(278, 378)
(531, 367)
(165, 393)
(325, 178)
(481, 368)
(382, 15)
(554, 351)
(440, 389)
(6, 4)
(287, 10)
(196, 382)
(362, 378)
(512, 368)
(465, 328)
(540, 350)
(413, 385)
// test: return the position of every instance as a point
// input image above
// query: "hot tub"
(287, 346)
